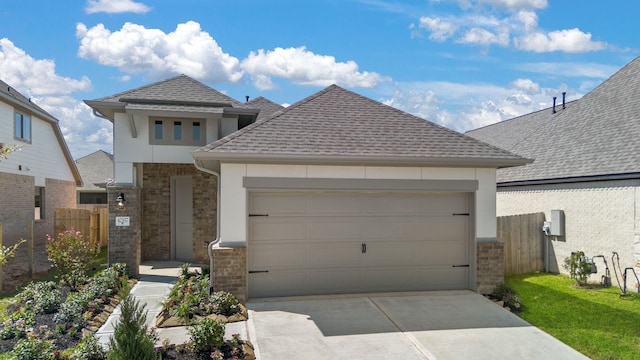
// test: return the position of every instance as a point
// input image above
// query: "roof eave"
(572, 179)
(359, 160)
(106, 109)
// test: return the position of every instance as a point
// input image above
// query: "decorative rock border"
(164, 320)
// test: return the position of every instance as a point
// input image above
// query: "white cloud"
(133, 49)
(302, 66)
(37, 79)
(116, 6)
(31, 76)
(571, 41)
(440, 29)
(469, 106)
(518, 27)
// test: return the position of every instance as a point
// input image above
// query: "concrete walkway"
(156, 280)
(429, 325)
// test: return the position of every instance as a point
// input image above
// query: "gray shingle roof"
(339, 124)
(594, 136)
(95, 168)
(178, 89)
(266, 106)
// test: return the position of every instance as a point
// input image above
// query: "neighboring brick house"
(587, 164)
(171, 204)
(96, 170)
(34, 180)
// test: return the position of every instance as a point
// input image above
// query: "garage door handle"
(461, 265)
(364, 248)
(252, 215)
(258, 271)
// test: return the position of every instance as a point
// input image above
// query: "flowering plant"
(71, 253)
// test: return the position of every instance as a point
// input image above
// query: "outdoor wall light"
(120, 201)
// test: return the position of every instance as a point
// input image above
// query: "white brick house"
(587, 163)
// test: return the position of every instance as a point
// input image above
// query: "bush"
(131, 339)
(578, 266)
(43, 296)
(505, 293)
(71, 254)
(34, 349)
(88, 349)
(206, 335)
(225, 303)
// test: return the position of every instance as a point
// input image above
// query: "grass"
(96, 265)
(598, 322)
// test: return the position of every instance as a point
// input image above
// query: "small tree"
(71, 254)
(578, 266)
(131, 339)
(7, 252)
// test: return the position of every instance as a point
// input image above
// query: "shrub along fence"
(523, 243)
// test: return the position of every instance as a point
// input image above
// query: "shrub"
(505, 293)
(206, 335)
(71, 254)
(34, 349)
(578, 266)
(44, 297)
(131, 338)
(88, 349)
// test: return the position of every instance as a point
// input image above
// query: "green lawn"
(597, 322)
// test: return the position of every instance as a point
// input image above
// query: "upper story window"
(22, 127)
(186, 132)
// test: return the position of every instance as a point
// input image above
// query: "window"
(177, 130)
(184, 132)
(39, 203)
(195, 131)
(23, 127)
(158, 130)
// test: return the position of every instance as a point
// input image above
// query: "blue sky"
(460, 63)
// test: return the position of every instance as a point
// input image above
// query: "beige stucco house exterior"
(335, 194)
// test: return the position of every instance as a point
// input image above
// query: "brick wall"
(600, 217)
(125, 241)
(156, 195)
(17, 212)
(229, 271)
(490, 266)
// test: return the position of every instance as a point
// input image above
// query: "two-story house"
(170, 205)
(35, 180)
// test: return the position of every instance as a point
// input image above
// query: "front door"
(183, 218)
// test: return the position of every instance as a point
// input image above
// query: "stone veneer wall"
(156, 211)
(229, 271)
(125, 241)
(16, 213)
(490, 266)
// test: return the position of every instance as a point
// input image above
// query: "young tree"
(131, 339)
(5, 150)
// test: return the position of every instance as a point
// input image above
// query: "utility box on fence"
(557, 223)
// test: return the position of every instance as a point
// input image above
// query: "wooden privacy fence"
(92, 223)
(523, 243)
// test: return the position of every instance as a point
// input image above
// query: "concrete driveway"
(425, 325)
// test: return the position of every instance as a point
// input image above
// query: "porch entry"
(182, 217)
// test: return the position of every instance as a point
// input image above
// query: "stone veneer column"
(230, 271)
(490, 266)
(125, 241)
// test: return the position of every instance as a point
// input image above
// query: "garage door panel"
(278, 203)
(278, 255)
(334, 228)
(393, 203)
(418, 228)
(278, 284)
(336, 203)
(334, 254)
(277, 229)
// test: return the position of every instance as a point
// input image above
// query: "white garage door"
(304, 243)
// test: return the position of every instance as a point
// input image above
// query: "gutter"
(215, 242)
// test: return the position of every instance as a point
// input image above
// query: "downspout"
(215, 242)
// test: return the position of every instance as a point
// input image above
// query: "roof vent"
(554, 105)
(247, 98)
(564, 95)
